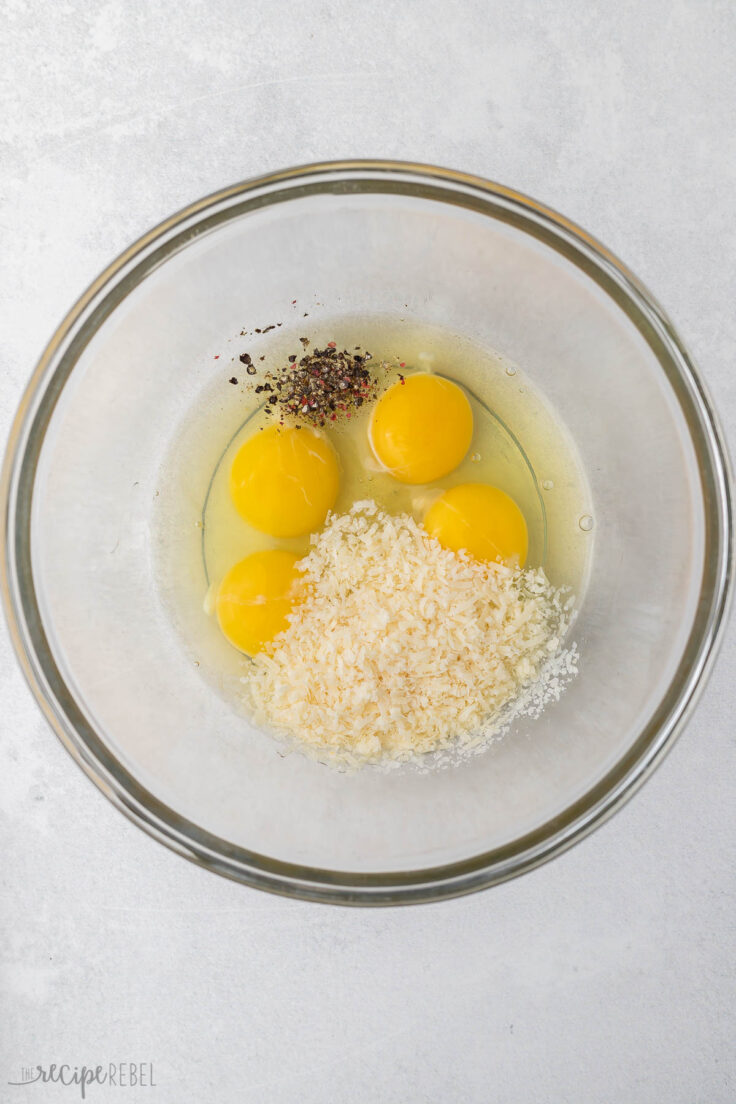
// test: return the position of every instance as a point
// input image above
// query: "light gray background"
(607, 975)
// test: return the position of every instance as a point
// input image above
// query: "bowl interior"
(482, 268)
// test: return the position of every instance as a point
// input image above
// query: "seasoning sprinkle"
(321, 386)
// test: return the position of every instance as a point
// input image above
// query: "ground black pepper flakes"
(233, 379)
(245, 358)
(324, 385)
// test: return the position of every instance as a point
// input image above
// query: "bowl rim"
(87, 747)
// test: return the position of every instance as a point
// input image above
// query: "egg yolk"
(255, 597)
(481, 519)
(421, 428)
(284, 480)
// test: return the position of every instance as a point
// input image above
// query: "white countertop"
(607, 975)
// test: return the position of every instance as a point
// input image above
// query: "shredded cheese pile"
(402, 647)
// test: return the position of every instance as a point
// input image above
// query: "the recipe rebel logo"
(118, 1075)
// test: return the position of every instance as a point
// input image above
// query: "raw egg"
(481, 519)
(255, 598)
(421, 428)
(284, 480)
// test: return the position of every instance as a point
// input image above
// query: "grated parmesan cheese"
(401, 647)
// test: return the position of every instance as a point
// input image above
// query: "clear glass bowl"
(94, 639)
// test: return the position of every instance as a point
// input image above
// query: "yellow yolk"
(481, 519)
(255, 598)
(284, 480)
(421, 429)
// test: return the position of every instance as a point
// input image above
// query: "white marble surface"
(605, 976)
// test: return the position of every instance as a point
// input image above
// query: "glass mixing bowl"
(128, 362)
